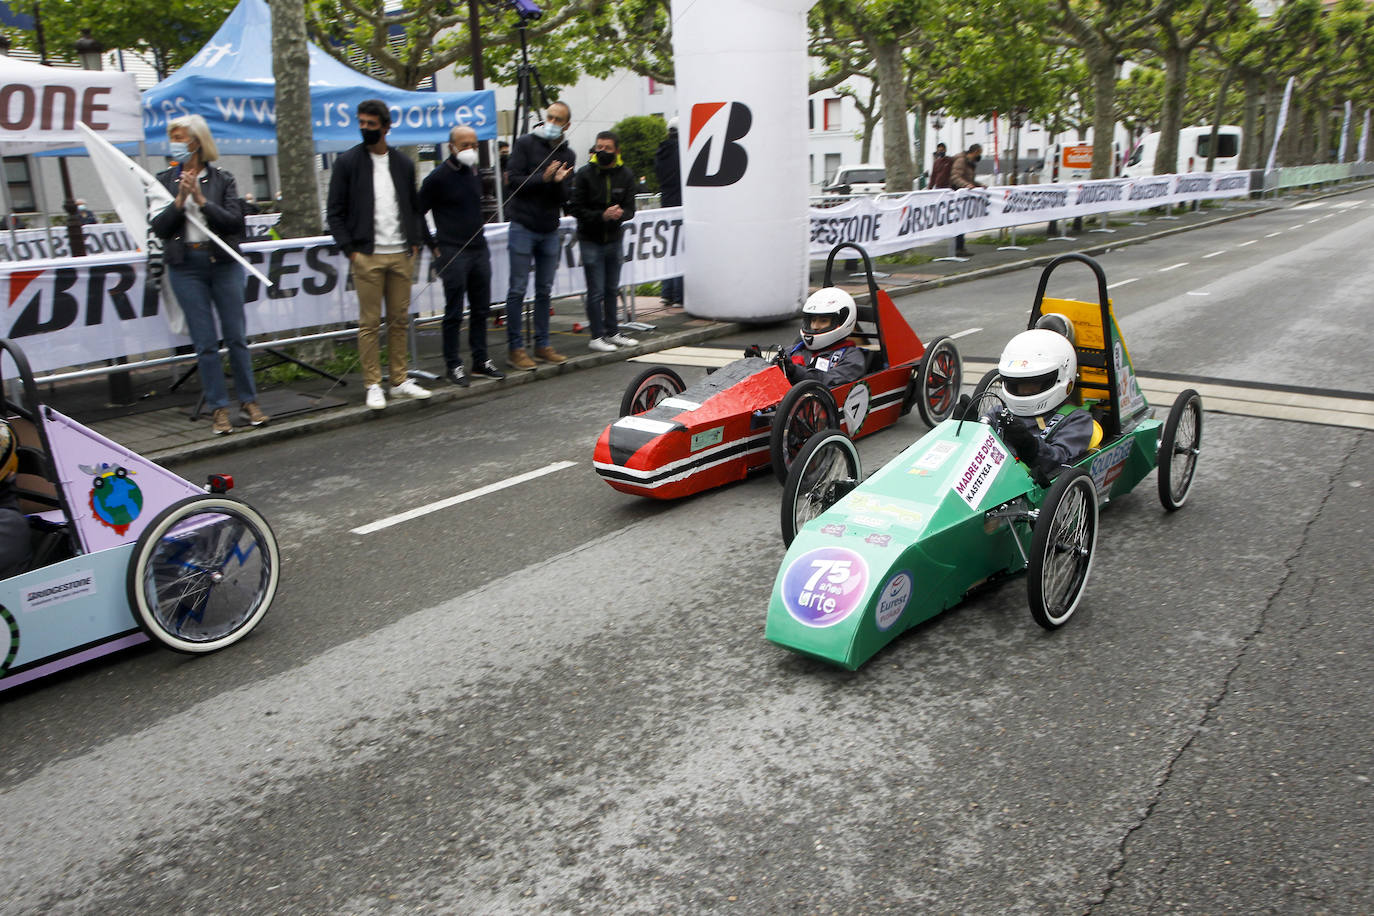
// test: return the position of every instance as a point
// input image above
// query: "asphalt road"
(555, 698)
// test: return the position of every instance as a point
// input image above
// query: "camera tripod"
(527, 79)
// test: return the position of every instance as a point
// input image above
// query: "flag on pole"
(1345, 131)
(136, 194)
(1364, 139)
(1278, 128)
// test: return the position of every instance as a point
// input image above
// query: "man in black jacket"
(536, 191)
(603, 199)
(454, 192)
(668, 168)
(374, 216)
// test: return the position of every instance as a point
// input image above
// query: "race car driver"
(14, 527)
(1045, 429)
(824, 352)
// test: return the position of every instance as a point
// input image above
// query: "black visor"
(1030, 387)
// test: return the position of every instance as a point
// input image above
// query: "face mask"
(371, 136)
(467, 157)
(550, 131)
(605, 158)
(179, 151)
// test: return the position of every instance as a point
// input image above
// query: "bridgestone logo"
(82, 582)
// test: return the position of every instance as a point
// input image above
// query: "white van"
(1192, 151)
(858, 179)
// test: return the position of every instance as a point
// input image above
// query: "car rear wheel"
(826, 468)
(649, 388)
(937, 384)
(203, 574)
(1179, 445)
(1062, 548)
(805, 410)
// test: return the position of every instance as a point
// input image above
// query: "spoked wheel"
(805, 410)
(648, 388)
(826, 468)
(937, 385)
(1179, 445)
(1062, 548)
(986, 399)
(203, 574)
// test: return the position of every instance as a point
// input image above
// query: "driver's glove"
(753, 351)
(795, 373)
(1022, 441)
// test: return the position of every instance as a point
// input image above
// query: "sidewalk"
(158, 425)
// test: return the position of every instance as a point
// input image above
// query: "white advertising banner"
(741, 75)
(73, 311)
(884, 225)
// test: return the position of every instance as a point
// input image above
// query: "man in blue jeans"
(537, 188)
(603, 199)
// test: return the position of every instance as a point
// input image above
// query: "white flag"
(1345, 131)
(136, 193)
(1278, 129)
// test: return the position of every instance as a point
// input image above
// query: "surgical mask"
(467, 157)
(605, 158)
(550, 131)
(179, 152)
(371, 135)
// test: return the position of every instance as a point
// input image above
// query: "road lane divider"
(1165, 270)
(1251, 242)
(380, 524)
(1121, 283)
(1348, 409)
(1214, 254)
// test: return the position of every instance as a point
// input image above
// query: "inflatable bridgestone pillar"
(741, 72)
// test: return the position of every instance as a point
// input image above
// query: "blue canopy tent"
(230, 83)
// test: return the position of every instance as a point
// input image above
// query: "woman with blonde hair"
(206, 280)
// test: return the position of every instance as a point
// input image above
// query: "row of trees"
(1056, 62)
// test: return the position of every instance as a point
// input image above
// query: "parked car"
(858, 179)
(1193, 149)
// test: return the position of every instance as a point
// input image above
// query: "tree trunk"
(300, 199)
(1171, 110)
(1218, 112)
(891, 73)
(1250, 141)
(1103, 68)
(1323, 113)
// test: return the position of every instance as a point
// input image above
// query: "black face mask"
(371, 135)
(605, 158)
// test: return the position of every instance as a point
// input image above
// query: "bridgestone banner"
(74, 311)
(884, 225)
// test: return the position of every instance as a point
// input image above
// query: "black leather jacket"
(222, 212)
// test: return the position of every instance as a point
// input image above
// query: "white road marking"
(1298, 226)
(372, 527)
(1272, 234)
(1214, 254)
(1121, 283)
(967, 331)
(1165, 270)
(1251, 242)
(1219, 397)
(1311, 206)
(1198, 293)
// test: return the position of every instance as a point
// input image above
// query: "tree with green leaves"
(405, 42)
(640, 136)
(166, 32)
(1103, 32)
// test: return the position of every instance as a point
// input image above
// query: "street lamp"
(90, 51)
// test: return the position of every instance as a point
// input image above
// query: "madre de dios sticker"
(824, 586)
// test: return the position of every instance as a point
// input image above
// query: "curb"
(352, 414)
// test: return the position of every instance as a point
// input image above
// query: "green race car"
(867, 560)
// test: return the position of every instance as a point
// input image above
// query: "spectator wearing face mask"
(537, 189)
(603, 199)
(961, 173)
(453, 191)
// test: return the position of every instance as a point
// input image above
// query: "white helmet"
(1037, 368)
(827, 317)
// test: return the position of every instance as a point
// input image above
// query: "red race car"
(673, 441)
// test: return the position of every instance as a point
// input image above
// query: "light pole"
(88, 52)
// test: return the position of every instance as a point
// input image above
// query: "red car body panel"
(718, 431)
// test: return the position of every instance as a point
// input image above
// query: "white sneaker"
(410, 389)
(376, 399)
(620, 340)
(601, 345)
